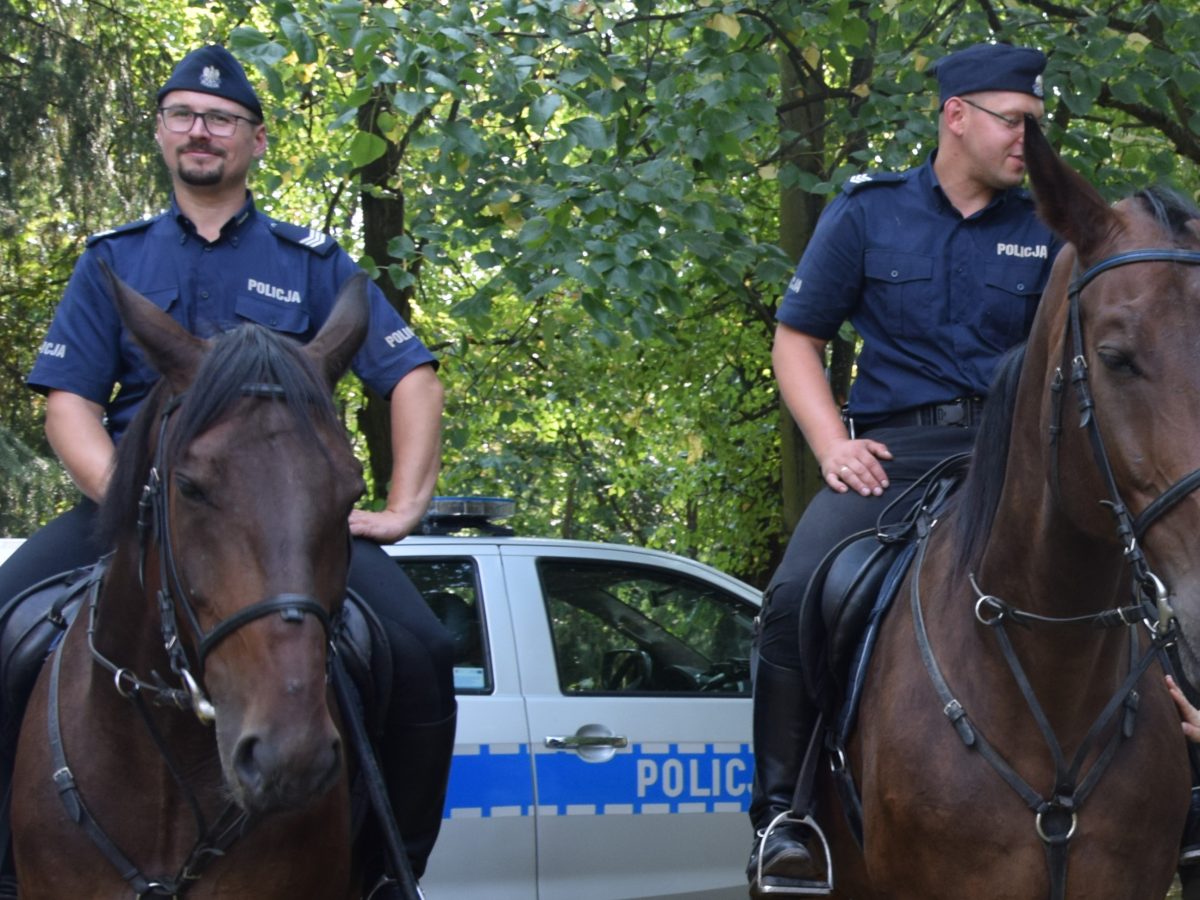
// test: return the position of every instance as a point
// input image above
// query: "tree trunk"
(798, 213)
(383, 219)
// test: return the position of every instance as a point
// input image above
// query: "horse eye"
(1118, 362)
(189, 489)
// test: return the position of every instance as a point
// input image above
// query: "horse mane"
(1173, 212)
(250, 360)
(978, 498)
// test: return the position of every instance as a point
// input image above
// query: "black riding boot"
(416, 767)
(8, 873)
(1189, 851)
(12, 710)
(784, 719)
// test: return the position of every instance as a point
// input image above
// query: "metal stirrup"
(794, 887)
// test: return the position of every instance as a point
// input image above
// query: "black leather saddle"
(845, 590)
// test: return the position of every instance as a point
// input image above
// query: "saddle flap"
(837, 605)
(852, 586)
(30, 624)
(361, 643)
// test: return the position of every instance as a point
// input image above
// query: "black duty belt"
(963, 412)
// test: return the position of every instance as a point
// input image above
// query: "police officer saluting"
(939, 269)
(213, 261)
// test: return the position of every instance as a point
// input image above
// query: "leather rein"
(153, 521)
(1056, 816)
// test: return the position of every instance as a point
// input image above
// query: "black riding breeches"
(830, 517)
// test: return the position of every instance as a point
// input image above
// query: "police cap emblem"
(210, 77)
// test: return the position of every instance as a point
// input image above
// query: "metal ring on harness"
(837, 760)
(1161, 601)
(155, 889)
(121, 673)
(994, 603)
(1055, 838)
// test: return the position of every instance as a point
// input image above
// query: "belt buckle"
(951, 413)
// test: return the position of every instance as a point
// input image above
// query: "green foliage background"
(600, 205)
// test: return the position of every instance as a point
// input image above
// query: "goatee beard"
(201, 178)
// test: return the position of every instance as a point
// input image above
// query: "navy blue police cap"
(213, 70)
(990, 67)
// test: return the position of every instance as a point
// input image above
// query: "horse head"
(247, 482)
(1119, 332)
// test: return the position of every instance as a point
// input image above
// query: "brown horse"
(1009, 743)
(182, 736)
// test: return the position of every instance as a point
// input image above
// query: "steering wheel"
(631, 672)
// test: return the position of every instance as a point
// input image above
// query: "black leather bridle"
(1148, 588)
(214, 838)
(173, 595)
(1056, 816)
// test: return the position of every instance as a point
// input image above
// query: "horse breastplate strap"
(1055, 816)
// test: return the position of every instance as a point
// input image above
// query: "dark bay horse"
(1015, 739)
(182, 738)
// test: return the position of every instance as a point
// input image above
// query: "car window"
(634, 629)
(450, 585)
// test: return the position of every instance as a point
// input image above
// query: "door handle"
(582, 741)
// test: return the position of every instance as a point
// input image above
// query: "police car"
(603, 746)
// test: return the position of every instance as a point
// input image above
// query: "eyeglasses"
(180, 120)
(1010, 122)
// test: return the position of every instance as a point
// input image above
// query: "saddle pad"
(858, 668)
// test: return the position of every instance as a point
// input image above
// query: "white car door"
(635, 672)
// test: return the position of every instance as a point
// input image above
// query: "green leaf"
(589, 132)
(366, 148)
(294, 28)
(542, 109)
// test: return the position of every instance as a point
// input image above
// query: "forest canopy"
(589, 210)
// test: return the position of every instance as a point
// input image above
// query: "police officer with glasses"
(213, 260)
(939, 269)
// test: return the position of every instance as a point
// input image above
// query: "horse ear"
(1065, 201)
(344, 330)
(171, 349)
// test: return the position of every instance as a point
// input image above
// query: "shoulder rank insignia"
(866, 179)
(316, 241)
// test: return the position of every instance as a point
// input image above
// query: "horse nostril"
(247, 766)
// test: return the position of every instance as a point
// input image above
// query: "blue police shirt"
(259, 270)
(936, 298)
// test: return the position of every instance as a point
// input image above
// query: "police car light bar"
(447, 515)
